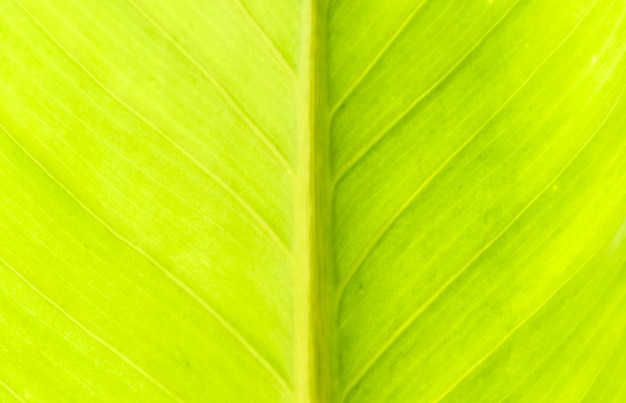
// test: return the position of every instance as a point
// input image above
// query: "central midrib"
(314, 358)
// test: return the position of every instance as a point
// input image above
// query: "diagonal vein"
(588, 389)
(226, 95)
(552, 351)
(396, 215)
(66, 370)
(94, 336)
(506, 337)
(269, 230)
(402, 328)
(271, 46)
(168, 273)
(11, 391)
(377, 57)
(342, 170)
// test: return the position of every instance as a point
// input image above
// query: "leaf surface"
(300, 200)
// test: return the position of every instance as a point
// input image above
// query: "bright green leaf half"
(308, 201)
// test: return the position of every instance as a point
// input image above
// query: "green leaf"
(312, 201)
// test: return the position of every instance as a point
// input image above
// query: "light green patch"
(312, 201)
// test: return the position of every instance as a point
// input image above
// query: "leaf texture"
(312, 201)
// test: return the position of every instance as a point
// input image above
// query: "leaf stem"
(314, 340)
